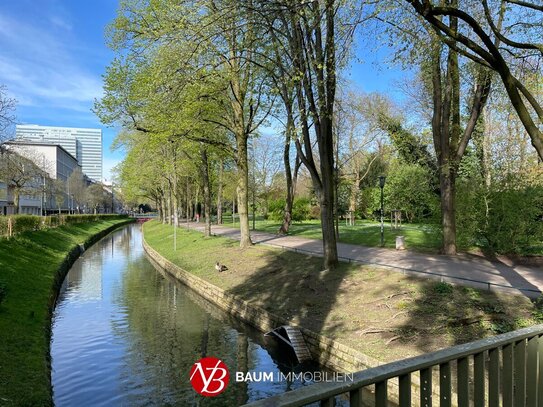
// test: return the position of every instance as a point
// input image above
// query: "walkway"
(464, 269)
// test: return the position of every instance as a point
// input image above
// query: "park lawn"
(419, 237)
(28, 267)
(381, 313)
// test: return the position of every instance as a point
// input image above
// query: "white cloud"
(39, 68)
(61, 23)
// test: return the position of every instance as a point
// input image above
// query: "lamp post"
(382, 180)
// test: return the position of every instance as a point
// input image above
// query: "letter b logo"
(209, 377)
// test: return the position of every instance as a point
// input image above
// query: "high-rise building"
(84, 144)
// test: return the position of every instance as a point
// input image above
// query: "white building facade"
(53, 160)
(82, 143)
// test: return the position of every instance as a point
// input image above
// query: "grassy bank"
(381, 313)
(29, 270)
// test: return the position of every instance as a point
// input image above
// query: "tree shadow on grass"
(443, 315)
(294, 287)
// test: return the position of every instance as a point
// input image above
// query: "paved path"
(464, 269)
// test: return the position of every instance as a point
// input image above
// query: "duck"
(220, 267)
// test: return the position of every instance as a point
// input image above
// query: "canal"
(125, 334)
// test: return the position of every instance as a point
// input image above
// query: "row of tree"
(194, 81)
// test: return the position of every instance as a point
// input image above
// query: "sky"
(53, 54)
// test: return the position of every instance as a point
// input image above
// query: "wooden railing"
(504, 370)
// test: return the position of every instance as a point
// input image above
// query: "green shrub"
(300, 209)
(276, 209)
(409, 187)
(24, 223)
(515, 220)
(3, 291)
(3, 225)
(470, 212)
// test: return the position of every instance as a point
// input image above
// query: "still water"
(124, 334)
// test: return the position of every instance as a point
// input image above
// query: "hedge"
(24, 223)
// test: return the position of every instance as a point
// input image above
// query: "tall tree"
(309, 35)
(77, 187)
(442, 70)
(483, 38)
(189, 63)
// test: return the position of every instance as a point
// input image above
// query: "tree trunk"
(16, 200)
(188, 202)
(219, 193)
(157, 206)
(196, 200)
(164, 213)
(175, 206)
(448, 211)
(289, 201)
(243, 193)
(169, 208)
(207, 192)
(326, 155)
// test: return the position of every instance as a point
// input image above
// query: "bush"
(300, 209)
(3, 291)
(409, 187)
(3, 225)
(276, 209)
(25, 223)
(501, 218)
(515, 220)
(470, 212)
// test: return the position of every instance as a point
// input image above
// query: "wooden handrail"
(381, 374)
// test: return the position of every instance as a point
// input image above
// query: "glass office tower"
(84, 144)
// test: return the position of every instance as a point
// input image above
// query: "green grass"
(29, 264)
(379, 312)
(421, 237)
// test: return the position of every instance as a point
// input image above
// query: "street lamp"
(382, 180)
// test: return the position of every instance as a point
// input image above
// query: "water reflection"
(125, 334)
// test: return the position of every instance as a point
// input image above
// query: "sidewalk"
(464, 269)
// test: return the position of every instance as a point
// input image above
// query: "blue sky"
(53, 53)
